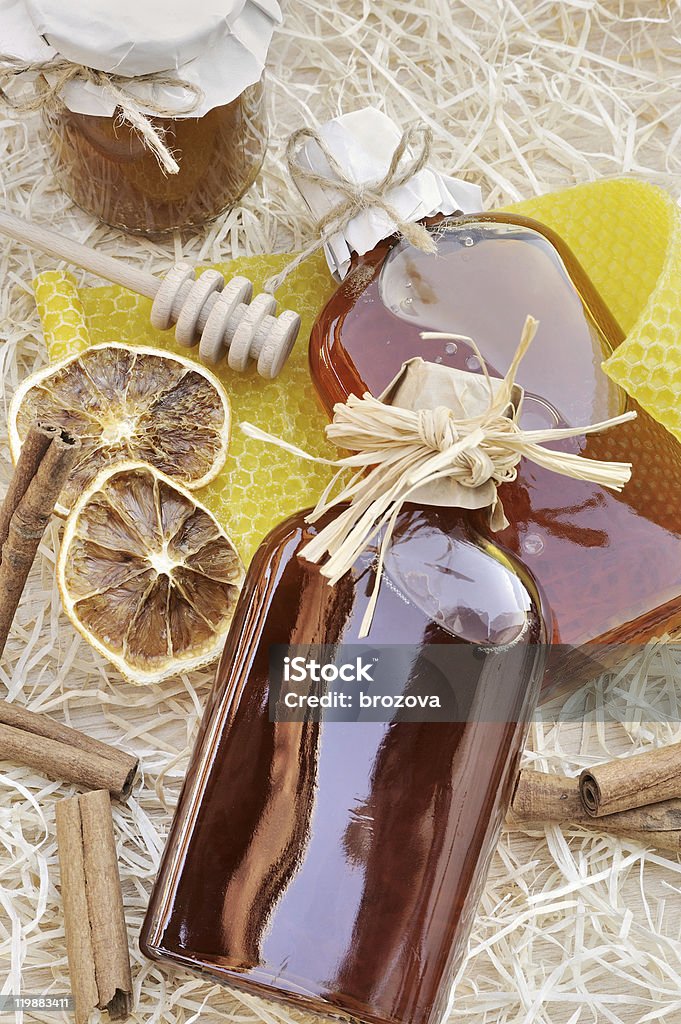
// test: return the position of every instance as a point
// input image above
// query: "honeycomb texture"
(260, 484)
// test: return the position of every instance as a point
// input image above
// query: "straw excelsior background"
(523, 97)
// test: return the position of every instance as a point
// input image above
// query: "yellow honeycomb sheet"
(627, 236)
(625, 233)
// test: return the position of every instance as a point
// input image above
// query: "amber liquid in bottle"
(609, 564)
(338, 864)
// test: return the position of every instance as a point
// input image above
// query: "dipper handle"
(54, 244)
(208, 310)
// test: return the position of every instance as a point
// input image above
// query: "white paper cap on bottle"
(363, 143)
(218, 45)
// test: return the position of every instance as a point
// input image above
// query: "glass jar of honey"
(608, 563)
(152, 124)
(108, 170)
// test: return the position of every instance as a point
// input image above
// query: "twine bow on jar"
(434, 455)
(58, 73)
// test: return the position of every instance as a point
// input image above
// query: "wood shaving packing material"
(526, 96)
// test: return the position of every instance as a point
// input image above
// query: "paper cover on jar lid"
(363, 143)
(219, 46)
(140, 40)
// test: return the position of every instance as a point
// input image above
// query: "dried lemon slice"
(147, 574)
(128, 403)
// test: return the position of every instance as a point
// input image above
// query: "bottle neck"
(448, 518)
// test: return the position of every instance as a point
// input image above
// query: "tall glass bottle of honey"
(336, 860)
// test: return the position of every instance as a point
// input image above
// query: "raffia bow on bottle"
(61, 72)
(433, 455)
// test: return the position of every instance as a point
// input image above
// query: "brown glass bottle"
(338, 865)
(609, 564)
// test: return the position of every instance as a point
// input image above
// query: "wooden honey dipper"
(222, 317)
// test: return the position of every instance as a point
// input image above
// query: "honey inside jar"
(108, 170)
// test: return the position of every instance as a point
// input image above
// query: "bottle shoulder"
(491, 271)
(439, 574)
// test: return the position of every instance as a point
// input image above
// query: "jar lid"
(141, 39)
(218, 46)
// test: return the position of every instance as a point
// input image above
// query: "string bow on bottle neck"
(410, 157)
(453, 455)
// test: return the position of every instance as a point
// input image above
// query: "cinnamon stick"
(32, 453)
(540, 797)
(96, 937)
(28, 521)
(63, 753)
(628, 782)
